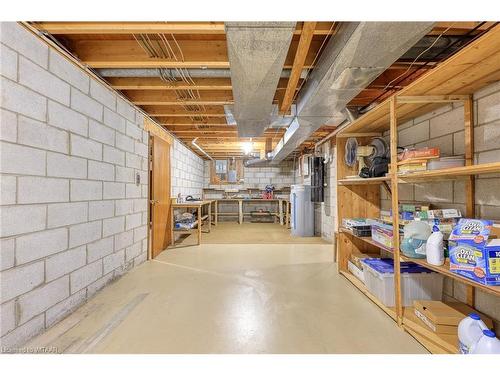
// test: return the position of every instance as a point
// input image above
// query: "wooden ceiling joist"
(298, 64)
(156, 83)
(188, 122)
(68, 28)
(196, 53)
(176, 111)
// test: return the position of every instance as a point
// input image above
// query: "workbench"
(198, 206)
(283, 212)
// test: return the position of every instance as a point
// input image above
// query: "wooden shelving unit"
(363, 181)
(455, 80)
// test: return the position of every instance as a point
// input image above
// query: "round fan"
(351, 152)
(379, 150)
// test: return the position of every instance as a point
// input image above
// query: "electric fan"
(368, 157)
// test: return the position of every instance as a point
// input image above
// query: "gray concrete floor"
(228, 298)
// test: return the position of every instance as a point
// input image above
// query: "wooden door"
(160, 195)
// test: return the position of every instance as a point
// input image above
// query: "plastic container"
(487, 344)
(446, 162)
(434, 250)
(470, 330)
(415, 235)
(416, 282)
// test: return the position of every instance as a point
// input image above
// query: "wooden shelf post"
(395, 208)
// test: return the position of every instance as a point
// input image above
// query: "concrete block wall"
(443, 128)
(72, 216)
(187, 170)
(281, 176)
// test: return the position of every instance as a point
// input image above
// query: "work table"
(282, 203)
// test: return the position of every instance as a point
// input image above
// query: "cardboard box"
(443, 317)
(355, 258)
(472, 255)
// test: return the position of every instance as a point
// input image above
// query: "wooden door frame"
(155, 131)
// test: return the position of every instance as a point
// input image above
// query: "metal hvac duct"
(357, 54)
(257, 52)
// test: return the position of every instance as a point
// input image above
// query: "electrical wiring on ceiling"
(158, 46)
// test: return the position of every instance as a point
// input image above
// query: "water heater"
(302, 218)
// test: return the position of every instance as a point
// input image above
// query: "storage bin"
(417, 283)
(446, 162)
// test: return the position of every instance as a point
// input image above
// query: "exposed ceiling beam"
(197, 54)
(214, 101)
(173, 111)
(157, 63)
(179, 128)
(57, 28)
(217, 134)
(298, 64)
(186, 121)
(156, 83)
(152, 83)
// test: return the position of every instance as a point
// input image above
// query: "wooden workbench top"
(192, 203)
(251, 199)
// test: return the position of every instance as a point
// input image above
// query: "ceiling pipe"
(193, 142)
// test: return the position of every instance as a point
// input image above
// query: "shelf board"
(363, 181)
(436, 343)
(367, 240)
(445, 270)
(359, 284)
(447, 173)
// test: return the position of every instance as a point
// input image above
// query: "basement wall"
(443, 128)
(72, 216)
(280, 176)
(186, 171)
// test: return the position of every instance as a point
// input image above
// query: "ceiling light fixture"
(247, 147)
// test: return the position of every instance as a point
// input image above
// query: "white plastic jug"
(470, 330)
(487, 344)
(434, 248)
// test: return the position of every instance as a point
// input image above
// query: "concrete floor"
(224, 298)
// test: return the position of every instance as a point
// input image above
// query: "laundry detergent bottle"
(434, 249)
(470, 330)
(487, 344)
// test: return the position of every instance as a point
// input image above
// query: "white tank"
(470, 330)
(302, 217)
(487, 344)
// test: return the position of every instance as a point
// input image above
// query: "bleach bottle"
(434, 248)
(470, 330)
(487, 344)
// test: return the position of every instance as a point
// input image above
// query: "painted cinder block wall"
(280, 176)
(72, 216)
(443, 128)
(187, 170)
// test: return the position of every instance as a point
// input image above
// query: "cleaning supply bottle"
(487, 344)
(470, 330)
(434, 248)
